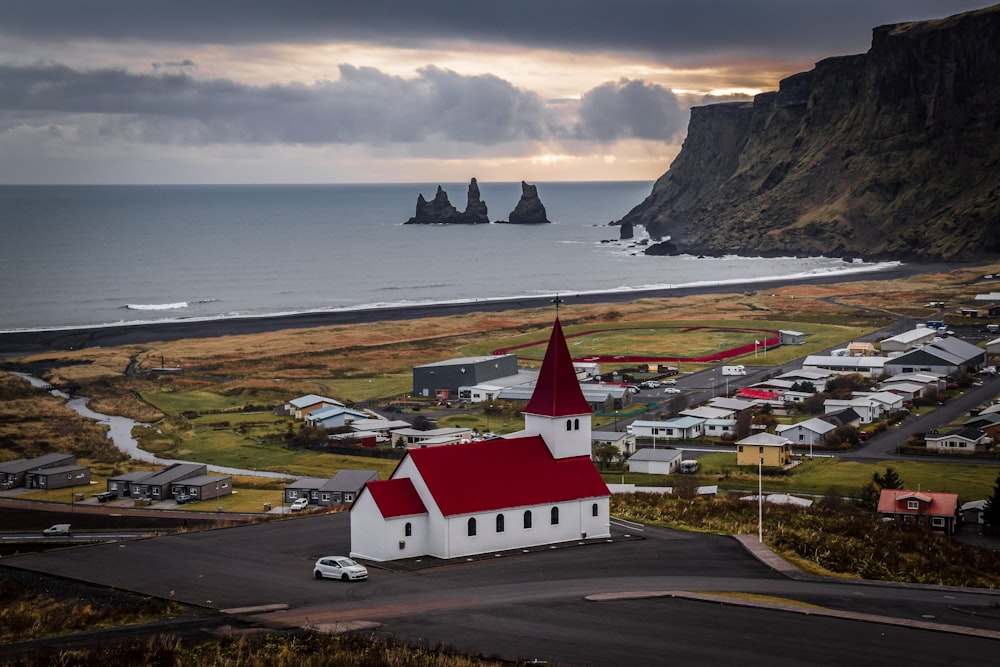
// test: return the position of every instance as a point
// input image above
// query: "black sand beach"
(17, 344)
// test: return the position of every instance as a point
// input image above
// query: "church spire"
(557, 391)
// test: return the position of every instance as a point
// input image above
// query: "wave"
(158, 306)
(637, 290)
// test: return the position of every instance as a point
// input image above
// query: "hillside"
(894, 153)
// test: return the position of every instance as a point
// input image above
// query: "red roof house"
(939, 510)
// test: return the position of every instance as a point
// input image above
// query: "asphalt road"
(535, 605)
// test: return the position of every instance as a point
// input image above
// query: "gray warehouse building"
(442, 379)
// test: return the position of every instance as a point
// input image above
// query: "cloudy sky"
(306, 91)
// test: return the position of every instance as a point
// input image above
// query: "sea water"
(75, 256)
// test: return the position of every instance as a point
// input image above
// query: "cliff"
(894, 153)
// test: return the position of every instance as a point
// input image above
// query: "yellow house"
(775, 450)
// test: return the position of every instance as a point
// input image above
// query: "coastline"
(24, 343)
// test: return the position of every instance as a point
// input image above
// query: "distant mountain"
(894, 153)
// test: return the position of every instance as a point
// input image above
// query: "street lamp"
(760, 500)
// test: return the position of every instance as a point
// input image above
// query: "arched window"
(408, 529)
(593, 509)
(555, 515)
(576, 424)
(472, 526)
(499, 523)
(527, 518)
(569, 424)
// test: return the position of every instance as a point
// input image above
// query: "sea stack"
(441, 211)
(529, 210)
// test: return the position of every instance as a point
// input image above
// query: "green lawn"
(970, 481)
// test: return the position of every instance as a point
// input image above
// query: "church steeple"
(558, 410)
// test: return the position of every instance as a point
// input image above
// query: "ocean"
(80, 256)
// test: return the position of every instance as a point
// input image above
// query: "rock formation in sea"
(529, 209)
(894, 153)
(441, 211)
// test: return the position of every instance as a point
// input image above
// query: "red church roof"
(503, 473)
(557, 392)
(396, 497)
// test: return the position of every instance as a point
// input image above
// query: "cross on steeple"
(557, 301)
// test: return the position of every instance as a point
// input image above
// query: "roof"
(396, 497)
(350, 480)
(56, 470)
(650, 454)
(814, 424)
(503, 473)
(461, 361)
(726, 403)
(894, 501)
(758, 394)
(966, 433)
(175, 472)
(765, 440)
(557, 392)
(311, 399)
(23, 465)
(705, 412)
(202, 480)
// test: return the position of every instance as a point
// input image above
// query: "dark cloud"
(630, 109)
(664, 28)
(364, 105)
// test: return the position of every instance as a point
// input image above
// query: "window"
(527, 518)
(576, 424)
(593, 509)
(569, 424)
(554, 518)
(938, 522)
(912, 505)
(761, 450)
(499, 523)
(472, 527)
(408, 529)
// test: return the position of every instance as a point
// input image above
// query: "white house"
(303, 405)
(678, 428)
(961, 441)
(662, 461)
(535, 487)
(868, 410)
(809, 432)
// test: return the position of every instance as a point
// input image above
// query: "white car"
(58, 529)
(339, 567)
(300, 505)
(671, 390)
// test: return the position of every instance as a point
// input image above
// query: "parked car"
(183, 498)
(670, 382)
(650, 384)
(300, 504)
(107, 497)
(671, 390)
(57, 529)
(339, 567)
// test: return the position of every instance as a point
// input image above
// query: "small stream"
(120, 432)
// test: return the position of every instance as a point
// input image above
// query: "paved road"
(540, 604)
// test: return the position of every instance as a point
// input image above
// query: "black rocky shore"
(440, 211)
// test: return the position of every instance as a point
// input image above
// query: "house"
(662, 461)
(780, 499)
(159, 485)
(57, 477)
(848, 416)
(717, 428)
(939, 510)
(383, 427)
(623, 440)
(678, 428)
(13, 473)
(774, 450)
(868, 410)
(859, 348)
(443, 379)
(203, 487)
(121, 485)
(944, 355)
(809, 432)
(333, 416)
(535, 487)
(963, 441)
(789, 337)
(303, 405)
(908, 390)
(817, 377)
(342, 488)
(891, 401)
(988, 423)
(601, 397)
(761, 396)
(734, 404)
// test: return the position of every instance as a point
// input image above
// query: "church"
(535, 487)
